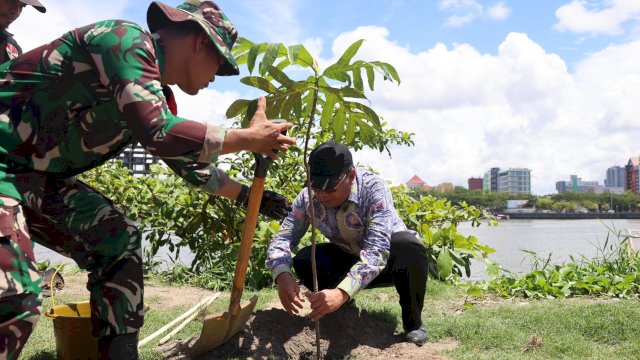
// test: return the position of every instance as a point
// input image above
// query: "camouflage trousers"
(74, 220)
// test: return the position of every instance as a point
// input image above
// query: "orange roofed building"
(418, 184)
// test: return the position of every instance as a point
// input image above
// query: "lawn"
(494, 328)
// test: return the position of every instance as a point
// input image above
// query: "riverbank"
(574, 216)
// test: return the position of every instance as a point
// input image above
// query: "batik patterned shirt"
(362, 226)
(71, 105)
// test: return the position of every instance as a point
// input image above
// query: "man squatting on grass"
(73, 104)
(369, 245)
(10, 10)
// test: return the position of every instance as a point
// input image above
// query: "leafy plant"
(613, 273)
(436, 220)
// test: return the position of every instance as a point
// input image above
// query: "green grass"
(582, 328)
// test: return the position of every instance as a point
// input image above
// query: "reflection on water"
(560, 238)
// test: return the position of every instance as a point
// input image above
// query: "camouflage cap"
(209, 16)
(36, 4)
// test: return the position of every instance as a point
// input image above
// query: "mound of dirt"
(349, 332)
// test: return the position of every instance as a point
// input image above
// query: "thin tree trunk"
(311, 210)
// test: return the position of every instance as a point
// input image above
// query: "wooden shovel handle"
(248, 230)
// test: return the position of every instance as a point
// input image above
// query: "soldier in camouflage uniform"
(71, 105)
(10, 10)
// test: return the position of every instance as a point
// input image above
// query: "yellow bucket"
(72, 329)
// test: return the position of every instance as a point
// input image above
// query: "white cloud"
(466, 11)
(498, 11)
(597, 17)
(519, 108)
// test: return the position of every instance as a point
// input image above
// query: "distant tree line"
(565, 202)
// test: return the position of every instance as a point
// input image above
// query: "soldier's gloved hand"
(272, 205)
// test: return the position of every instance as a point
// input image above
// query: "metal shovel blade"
(218, 328)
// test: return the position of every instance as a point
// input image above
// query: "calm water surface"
(560, 238)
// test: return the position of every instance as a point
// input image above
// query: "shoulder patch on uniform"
(12, 51)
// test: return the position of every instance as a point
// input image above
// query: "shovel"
(218, 328)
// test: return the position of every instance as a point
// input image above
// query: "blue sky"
(550, 85)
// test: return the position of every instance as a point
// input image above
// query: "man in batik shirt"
(10, 10)
(73, 104)
(369, 245)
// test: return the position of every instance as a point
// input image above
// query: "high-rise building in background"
(475, 183)
(512, 181)
(615, 177)
(490, 180)
(577, 185)
(632, 175)
(137, 159)
(515, 181)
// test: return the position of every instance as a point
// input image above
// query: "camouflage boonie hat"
(209, 16)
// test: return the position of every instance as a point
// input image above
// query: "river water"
(560, 238)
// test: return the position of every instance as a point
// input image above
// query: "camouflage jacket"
(362, 226)
(71, 105)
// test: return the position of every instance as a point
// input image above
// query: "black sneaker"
(417, 336)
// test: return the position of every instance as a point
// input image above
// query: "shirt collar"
(5, 33)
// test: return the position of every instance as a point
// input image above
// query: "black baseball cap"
(36, 4)
(328, 162)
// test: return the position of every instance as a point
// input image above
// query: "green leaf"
(427, 234)
(475, 291)
(445, 264)
(251, 110)
(237, 108)
(273, 107)
(270, 56)
(297, 107)
(389, 71)
(338, 124)
(242, 45)
(367, 111)
(357, 80)
(367, 133)
(351, 129)
(287, 106)
(299, 55)
(260, 83)
(371, 76)
(283, 64)
(337, 72)
(350, 52)
(327, 110)
(352, 93)
(281, 77)
(254, 51)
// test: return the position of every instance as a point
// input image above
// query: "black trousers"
(406, 270)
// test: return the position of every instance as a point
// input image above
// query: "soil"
(157, 296)
(273, 334)
(347, 333)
